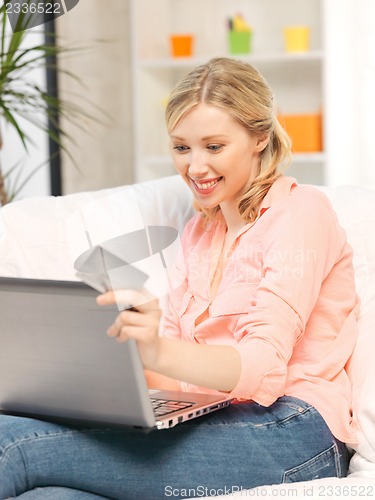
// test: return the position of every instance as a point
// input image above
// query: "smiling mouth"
(206, 185)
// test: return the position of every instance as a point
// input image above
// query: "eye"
(180, 148)
(215, 147)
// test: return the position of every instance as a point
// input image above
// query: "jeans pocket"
(326, 464)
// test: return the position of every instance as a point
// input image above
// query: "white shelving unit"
(295, 78)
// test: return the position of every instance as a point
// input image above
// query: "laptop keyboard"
(163, 406)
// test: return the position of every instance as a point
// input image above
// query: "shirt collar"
(279, 190)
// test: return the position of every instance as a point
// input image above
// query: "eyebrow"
(205, 138)
(176, 137)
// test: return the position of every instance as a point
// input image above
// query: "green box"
(239, 42)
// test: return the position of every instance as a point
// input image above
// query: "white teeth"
(206, 185)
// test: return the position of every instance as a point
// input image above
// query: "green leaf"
(9, 117)
(22, 97)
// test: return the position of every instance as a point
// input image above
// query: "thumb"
(142, 300)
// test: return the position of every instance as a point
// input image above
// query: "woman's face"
(215, 155)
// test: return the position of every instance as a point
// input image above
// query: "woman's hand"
(214, 366)
(140, 324)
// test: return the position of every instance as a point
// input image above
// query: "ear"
(262, 143)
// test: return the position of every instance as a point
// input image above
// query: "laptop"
(57, 362)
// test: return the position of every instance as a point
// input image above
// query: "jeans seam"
(295, 406)
(4, 452)
(337, 460)
(246, 424)
(27, 479)
(302, 411)
(316, 457)
(21, 441)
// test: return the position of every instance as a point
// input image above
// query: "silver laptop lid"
(56, 359)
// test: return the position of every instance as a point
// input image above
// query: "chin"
(205, 204)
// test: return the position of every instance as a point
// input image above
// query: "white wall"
(104, 147)
(349, 32)
(13, 151)
(350, 80)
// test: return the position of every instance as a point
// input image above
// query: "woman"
(266, 313)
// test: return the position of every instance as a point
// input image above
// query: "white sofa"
(41, 237)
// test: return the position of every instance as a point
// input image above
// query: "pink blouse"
(286, 301)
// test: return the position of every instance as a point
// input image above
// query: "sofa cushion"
(355, 208)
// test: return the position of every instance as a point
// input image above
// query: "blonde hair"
(239, 89)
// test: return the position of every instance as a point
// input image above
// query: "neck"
(233, 219)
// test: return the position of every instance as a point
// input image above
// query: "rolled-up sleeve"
(301, 245)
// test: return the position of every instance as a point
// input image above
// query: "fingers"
(142, 300)
(141, 325)
(126, 333)
(129, 324)
(126, 319)
(106, 299)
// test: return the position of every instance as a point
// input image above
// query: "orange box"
(305, 132)
(181, 45)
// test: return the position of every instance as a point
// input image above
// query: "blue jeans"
(242, 446)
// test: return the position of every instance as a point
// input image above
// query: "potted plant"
(21, 96)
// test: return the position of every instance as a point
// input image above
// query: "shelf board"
(271, 57)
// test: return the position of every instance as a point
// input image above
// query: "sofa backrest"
(41, 237)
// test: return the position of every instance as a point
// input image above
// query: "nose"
(198, 166)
